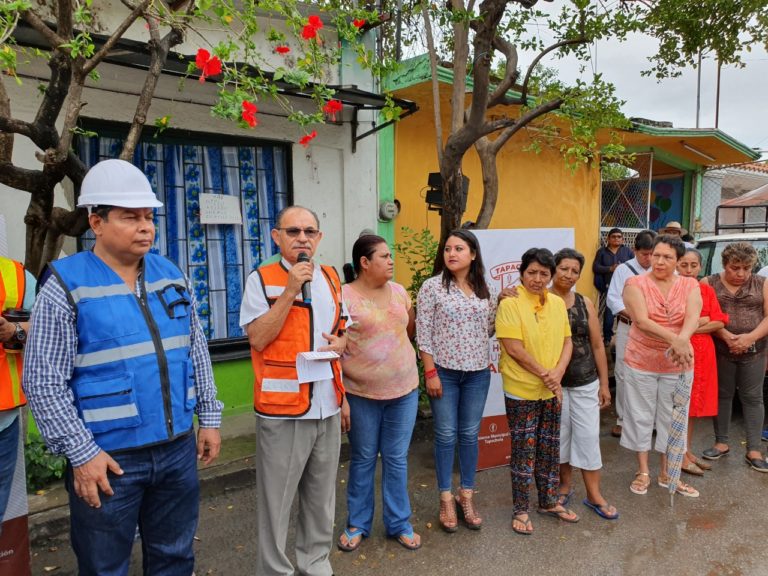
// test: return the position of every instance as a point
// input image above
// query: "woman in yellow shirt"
(535, 338)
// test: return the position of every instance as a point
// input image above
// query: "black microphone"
(306, 289)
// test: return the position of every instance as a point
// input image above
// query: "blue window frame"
(216, 258)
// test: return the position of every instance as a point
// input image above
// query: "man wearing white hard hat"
(115, 368)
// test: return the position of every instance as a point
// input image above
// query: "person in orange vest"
(290, 306)
(17, 290)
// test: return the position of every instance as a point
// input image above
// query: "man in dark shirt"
(608, 257)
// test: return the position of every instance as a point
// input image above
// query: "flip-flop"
(681, 488)
(405, 544)
(565, 514)
(527, 522)
(599, 510)
(351, 535)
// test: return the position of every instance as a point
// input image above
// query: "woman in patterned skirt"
(535, 339)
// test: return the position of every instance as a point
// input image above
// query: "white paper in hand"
(314, 366)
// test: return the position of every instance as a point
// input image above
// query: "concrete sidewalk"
(721, 533)
(49, 510)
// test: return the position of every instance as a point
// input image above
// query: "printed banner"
(14, 539)
(502, 251)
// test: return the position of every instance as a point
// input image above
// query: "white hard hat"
(117, 183)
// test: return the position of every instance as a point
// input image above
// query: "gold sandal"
(471, 517)
(640, 484)
(448, 520)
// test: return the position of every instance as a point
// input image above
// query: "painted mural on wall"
(666, 202)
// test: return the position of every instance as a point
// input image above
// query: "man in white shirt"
(299, 425)
(640, 263)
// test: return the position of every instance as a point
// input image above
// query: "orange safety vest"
(276, 390)
(12, 287)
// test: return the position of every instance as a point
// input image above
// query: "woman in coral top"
(381, 381)
(665, 309)
(704, 390)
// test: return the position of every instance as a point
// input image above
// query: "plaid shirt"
(49, 361)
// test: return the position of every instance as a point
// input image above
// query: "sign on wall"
(220, 209)
(502, 251)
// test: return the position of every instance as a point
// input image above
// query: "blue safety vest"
(133, 381)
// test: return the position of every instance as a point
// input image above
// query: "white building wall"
(340, 186)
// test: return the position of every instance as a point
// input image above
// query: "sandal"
(448, 520)
(560, 513)
(682, 488)
(525, 521)
(603, 510)
(703, 464)
(351, 534)
(471, 517)
(409, 540)
(640, 484)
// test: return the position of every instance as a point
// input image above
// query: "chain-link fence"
(722, 184)
(626, 201)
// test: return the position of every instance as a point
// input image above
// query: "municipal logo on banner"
(502, 252)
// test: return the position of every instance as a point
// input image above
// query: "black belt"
(624, 319)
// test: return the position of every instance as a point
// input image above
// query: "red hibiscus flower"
(332, 107)
(249, 113)
(310, 29)
(282, 49)
(305, 140)
(358, 22)
(209, 66)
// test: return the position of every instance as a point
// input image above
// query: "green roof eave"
(417, 70)
(696, 133)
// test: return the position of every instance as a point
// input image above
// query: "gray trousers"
(296, 457)
(747, 378)
(619, 372)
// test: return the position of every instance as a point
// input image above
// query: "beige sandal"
(448, 520)
(471, 517)
(640, 484)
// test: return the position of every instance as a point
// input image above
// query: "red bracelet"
(430, 373)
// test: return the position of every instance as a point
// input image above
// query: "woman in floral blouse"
(455, 317)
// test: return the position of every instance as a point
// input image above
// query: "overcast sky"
(743, 111)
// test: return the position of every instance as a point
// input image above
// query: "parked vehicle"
(711, 249)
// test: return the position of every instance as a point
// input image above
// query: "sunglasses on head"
(294, 232)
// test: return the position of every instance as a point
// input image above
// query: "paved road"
(721, 533)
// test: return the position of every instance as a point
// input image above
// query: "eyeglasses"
(294, 232)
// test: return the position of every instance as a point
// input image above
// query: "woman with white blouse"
(455, 316)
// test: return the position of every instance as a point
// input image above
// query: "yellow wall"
(535, 190)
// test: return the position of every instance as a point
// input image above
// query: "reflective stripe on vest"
(277, 391)
(12, 288)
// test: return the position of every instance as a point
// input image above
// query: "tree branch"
(42, 28)
(96, 59)
(159, 49)
(524, 120)
(556, 46)
(509, 51)
(20, 178)
(435, 84)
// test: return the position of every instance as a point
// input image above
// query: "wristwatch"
(20, 335)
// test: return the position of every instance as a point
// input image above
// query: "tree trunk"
(487, 153)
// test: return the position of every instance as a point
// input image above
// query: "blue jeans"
(159, 492)
(457, 415)
(9, 450)
(380, 427)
